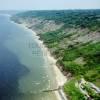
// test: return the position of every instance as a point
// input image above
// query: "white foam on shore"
(60, 78)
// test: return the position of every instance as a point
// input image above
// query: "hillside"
(73, 38)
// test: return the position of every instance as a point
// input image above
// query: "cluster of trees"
(91, 69)
(71, 18)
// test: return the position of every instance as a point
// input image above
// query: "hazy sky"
(48, 4)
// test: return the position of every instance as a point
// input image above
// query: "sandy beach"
(60, 78)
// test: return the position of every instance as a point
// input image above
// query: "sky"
(48, 4)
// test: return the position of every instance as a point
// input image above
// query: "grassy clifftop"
(73, 37)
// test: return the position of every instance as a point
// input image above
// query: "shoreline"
(60, 78)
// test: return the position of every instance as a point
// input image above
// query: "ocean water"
(24, 73)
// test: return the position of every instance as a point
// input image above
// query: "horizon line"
(48, 9)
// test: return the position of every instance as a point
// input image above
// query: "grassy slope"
(72, 91)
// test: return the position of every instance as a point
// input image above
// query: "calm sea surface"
(24, 73)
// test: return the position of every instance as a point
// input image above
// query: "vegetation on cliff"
(74, 41)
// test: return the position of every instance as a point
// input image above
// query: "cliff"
(73, 38)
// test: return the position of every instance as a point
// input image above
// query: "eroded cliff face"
(77, 48)
(41, 26)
